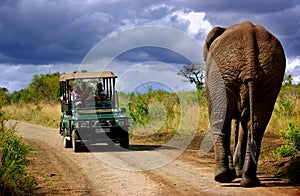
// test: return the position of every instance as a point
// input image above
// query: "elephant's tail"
(253, 146)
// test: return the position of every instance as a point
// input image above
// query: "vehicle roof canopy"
(87, 75)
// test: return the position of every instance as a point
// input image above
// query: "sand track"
(85, 174)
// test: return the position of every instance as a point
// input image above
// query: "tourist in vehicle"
(84, 94)
(103, 101)
(77, 93)
(98, 91)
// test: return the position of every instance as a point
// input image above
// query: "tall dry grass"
(286, 110)
(43, 113)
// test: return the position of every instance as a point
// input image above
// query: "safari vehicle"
(84, 122)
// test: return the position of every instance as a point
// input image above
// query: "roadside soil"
(60, 171)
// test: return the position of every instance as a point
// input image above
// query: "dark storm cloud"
(153, 54)
(61, 32)
(50, 31)
(42, 32)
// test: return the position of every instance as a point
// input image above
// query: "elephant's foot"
(250, 182)
(224, 175)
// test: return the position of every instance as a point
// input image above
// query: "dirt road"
(85, 173)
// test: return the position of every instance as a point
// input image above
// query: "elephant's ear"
(212, 35)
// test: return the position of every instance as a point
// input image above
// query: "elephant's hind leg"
(263, 111)
(240, 148)
(249, 177)
(223, 173)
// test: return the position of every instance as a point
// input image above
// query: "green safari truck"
(90, 112)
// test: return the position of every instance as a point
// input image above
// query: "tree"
(43, 87)
(4, 96)
(194, 74)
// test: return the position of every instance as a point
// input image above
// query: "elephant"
(245, 66)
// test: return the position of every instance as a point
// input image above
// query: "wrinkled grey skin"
(247, 63)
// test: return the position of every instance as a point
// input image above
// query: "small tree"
(194, 74)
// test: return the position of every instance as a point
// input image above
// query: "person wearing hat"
(101, 96)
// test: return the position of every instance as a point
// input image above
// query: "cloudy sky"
(46, 36)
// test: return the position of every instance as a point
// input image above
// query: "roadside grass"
(286, 110)
(14, 177)
(157, 115)
(286, 113)
(47, 114)
(280, 148)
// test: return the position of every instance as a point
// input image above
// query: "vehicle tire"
(124, 143)
(76, 145)
(61, 129)
(67, 142)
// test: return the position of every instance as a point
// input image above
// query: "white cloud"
(159, 7)
(292, 63)
(191, 22)
(293, 69)
(296, 80)
(197, 22)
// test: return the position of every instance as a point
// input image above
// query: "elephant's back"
(246, 51)
(271, 57)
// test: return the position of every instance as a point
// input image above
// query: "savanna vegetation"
(14, 177)
(157, 114)
(27, 104)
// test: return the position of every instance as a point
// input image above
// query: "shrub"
(155, 106)
(292, 135)
(13, 164)
(138, 107)
(292, 140)
(284, 107)
(286, 150)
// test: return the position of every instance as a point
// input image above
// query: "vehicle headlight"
(122, 122)
(82, 124)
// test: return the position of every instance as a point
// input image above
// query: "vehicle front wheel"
(125, 143)
(76, 145)
(67, 141)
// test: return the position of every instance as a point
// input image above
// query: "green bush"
(138, 108)
(13, 165)
(292, 135)
(286, 150)
(155, 107)
(284, 107)
(292, 140)
(288, 101)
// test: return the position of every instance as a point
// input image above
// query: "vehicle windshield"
(92, 94)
